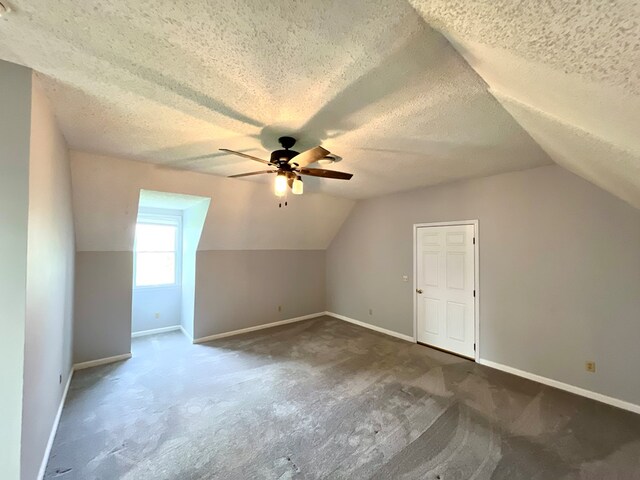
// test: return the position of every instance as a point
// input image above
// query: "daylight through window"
(155, 245)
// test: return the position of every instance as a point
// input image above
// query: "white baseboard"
(101, 361)
(56, 421)
(143, 333)
(401, 336)
(186, 334)
(257, 327)
(54, 428)
(563, 386)
(521, 373)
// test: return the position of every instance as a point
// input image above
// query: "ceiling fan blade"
(309, 156)
(321, 172)
(251, 157)
(251, 173)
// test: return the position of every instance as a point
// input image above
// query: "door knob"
(418, 290)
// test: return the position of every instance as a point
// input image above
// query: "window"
(157, 251)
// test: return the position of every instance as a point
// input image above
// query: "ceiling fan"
(290, 166)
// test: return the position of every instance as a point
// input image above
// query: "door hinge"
(474, 347)
(474, 240)
(474, 293)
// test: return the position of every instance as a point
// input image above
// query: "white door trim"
(476, 254)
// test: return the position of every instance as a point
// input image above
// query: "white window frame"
(160, 217)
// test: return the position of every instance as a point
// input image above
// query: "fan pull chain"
(285, 201)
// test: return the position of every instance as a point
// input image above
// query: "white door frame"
(476, 254)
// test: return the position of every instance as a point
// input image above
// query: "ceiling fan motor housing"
(282, 156)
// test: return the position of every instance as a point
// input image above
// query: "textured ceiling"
(567, 71)
(171, 82)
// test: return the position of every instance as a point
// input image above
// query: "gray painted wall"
(234, 289)
(102, 325)
(15, 118)
(559, 272)
(149, 301)
(50, 257)
(193, 219)
(239, 289)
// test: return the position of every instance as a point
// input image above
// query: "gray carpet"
(326, 399)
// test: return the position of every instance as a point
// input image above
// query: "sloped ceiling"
(170, 82)
(241, 216)
(567, 71)
(407, 93)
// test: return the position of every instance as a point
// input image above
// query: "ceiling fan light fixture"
(290, 166)
(280, 186)
(297, 187)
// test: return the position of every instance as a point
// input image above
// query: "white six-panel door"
(445, 288)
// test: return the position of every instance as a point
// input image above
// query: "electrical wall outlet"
(405, 278)
(590, 366)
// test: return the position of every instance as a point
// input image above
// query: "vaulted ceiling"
(407, 93)
(567, 71)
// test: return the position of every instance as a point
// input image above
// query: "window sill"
(158, 287)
